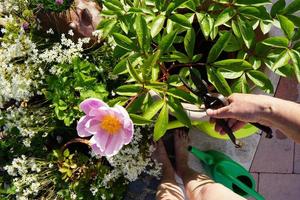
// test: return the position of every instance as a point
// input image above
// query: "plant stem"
(75, 140)
(185, 65)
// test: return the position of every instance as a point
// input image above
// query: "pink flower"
(111, 128)
(59, 2)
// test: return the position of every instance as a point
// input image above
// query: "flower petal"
(101, 139)
(81, 127)
(128, 131)
(91, 103)
(93, 126)
(113, 145)
(97, 150)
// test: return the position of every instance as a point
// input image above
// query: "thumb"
(219, 113)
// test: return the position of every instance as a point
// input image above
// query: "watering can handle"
(204, 157)
(244, 187)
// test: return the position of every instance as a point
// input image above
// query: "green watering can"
(224, 170)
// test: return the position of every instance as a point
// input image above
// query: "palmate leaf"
(287, 26)
(161, 123)
(218, 47)
(177, 109)
(261, 80)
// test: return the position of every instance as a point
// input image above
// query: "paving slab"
(297, 159)
(280, 186)
(274, 155)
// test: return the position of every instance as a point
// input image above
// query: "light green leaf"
(148, 64)
(295, 55)
(233, 45)
(225, 16)
(142, 32)
(123, 41)
(178, 111)
(161, 124)
(129, 90)
(177, 93)
(137, 104)
(66, 153)
(134, 74)
(278, 41)
(139, 120)
(151, 111)
(233, 64)
(111, 6)
(157, 25)
(287, 26)
(205, 26)
(167, 41)
(218, 47)
(121, 67)
(235, 29)
(265, 27)
(230, 74)
(216, 78)
(261, 80)
(181, 20)
(175, 124)
(189, 42)
(247, 33)
(253, 2)
(241, 85)
(282, 59)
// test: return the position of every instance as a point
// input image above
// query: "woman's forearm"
(285, 116)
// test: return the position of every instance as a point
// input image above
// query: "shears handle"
(229, 132)
(264, 128)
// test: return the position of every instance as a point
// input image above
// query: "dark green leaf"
(218, 47)
(285, 71)
(216, 78)
(247, 33)
(181, 20)
(121, 67)
(253, 12)
(287, 26)
(205, 25)
(152, 110)
(157, 25)
(295, 55)
(161, 123)
(233, 64)
(233, 45)
(282, 59)
(177, 93)
(137, 104)
(261, 80)
(178, 111)
(167, 41)
(123, 41)
(224, 16)
(129, 90)
(134, 74)
(277, 7)
(293, 7)
(111, 6)
(253, 2)
(189, 42)
(106, 25)
(139, 120)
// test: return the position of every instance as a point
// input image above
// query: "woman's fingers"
(223, 112)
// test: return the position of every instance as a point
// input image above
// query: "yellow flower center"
(111, 124)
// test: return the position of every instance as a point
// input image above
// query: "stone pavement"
(276, 164)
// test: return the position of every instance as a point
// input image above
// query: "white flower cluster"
(29, 121)
(131, 161)
(31, 176)
(9, 6)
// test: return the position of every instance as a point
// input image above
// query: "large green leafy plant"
(156, 39)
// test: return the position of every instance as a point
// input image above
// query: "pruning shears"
(215, 101)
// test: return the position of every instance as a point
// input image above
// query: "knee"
(210, 190)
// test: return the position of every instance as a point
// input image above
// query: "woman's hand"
(242, 108)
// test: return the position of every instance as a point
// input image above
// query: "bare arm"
(270, 111)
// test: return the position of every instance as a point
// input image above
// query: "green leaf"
(189, 42)
(139, 120)
(161, 123)
(178, 111)
(277, 7)
(181, 20)
(233, 45)
(216, 78)
(287, 26)
(247, 33)
(142, 32)
(224, 16)
(282, 59)
(241, 85)
(205, 25)
(149, 63)
(261, 80)
(106, 25)
(66, 153)
(129, 90)
(134, 74)
(235, 29)
(278, 41)
(121, 67)
(293, 7)
(218, 47)
(265, 27)
(123, 41)
(137, 104)
(254, 12)
(175, 124)
(167, 41)
(285, 71)
(253, 2)
(111, 6)
(233, 64)
(295, 55)
(177, 93)
(153, 109)
(157, 25)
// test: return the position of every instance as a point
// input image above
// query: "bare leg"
(197, 186)
(168, 188)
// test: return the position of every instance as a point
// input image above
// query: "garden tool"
(214, 101)
(222, 169)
